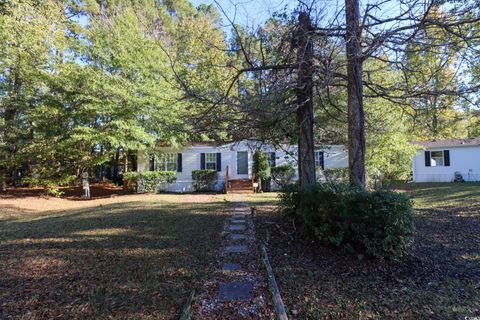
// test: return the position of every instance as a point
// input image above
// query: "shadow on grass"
(438, 280)
(128, 260)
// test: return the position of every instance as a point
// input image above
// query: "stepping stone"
(228, 266)
(237, 236)
(235, 291)
(237, 220)
(236, 249)
(237, 227)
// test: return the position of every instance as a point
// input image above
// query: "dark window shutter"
(273, 159)
(219, 161)
(152, 164)
(179, 162)
(322, 163)
(427, 159)
(446, 158)
(202, 161)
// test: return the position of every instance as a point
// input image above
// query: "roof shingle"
(449, 143)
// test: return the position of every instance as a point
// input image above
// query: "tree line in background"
(84, 83)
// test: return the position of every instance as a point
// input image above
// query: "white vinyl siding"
(462, 159)
(335, 156)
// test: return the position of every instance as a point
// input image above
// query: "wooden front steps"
(240, 186)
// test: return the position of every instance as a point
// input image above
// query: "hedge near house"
(204, 180)
(378, 223)
(148, 181)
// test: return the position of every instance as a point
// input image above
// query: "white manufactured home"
(440, 161)
(232, 160)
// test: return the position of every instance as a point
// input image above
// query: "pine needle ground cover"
(129, 257)
(438, 279)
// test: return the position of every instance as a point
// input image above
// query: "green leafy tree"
(32, 37)
(389, 150)
(431, 69)
(86, 83)
(261, 167)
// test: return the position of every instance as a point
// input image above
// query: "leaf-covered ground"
(129, 257)
(440, 279)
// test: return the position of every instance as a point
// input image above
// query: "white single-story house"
(438, 161)
(233, 160)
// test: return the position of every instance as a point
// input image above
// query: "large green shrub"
(148, 181)
(261, 168)
(283, 175)
(204, 180)
(378, 223)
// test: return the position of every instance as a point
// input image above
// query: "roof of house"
(449, 143)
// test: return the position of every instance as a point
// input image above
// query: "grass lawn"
(440, 279)
(128, 257)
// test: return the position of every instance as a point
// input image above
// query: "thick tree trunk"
(115, 167)
(356, 117)
(125, 161)
(10, 132)
(305, 121)
(125, 169)
(9, 150)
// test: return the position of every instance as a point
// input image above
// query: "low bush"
(148, 181)
(377, 223)
(204, 180)
(336, 174)
(289, 198)
(283, 175)
(51, 185)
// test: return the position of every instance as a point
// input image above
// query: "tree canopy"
(86, 83)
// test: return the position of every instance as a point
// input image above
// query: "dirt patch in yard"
(37, 203)
(97, 190)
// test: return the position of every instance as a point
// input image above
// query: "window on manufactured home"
(271, 159)
(167, 162)
(437, 158)
(242, 162)
(319, 159)
(211, 161)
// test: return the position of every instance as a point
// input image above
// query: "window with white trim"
(319, 159)
(167, 162)
(437, 158)
(211, 161)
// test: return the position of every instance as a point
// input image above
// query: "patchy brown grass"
(440, 279)
(128, 257)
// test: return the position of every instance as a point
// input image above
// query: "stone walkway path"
(239, 289)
